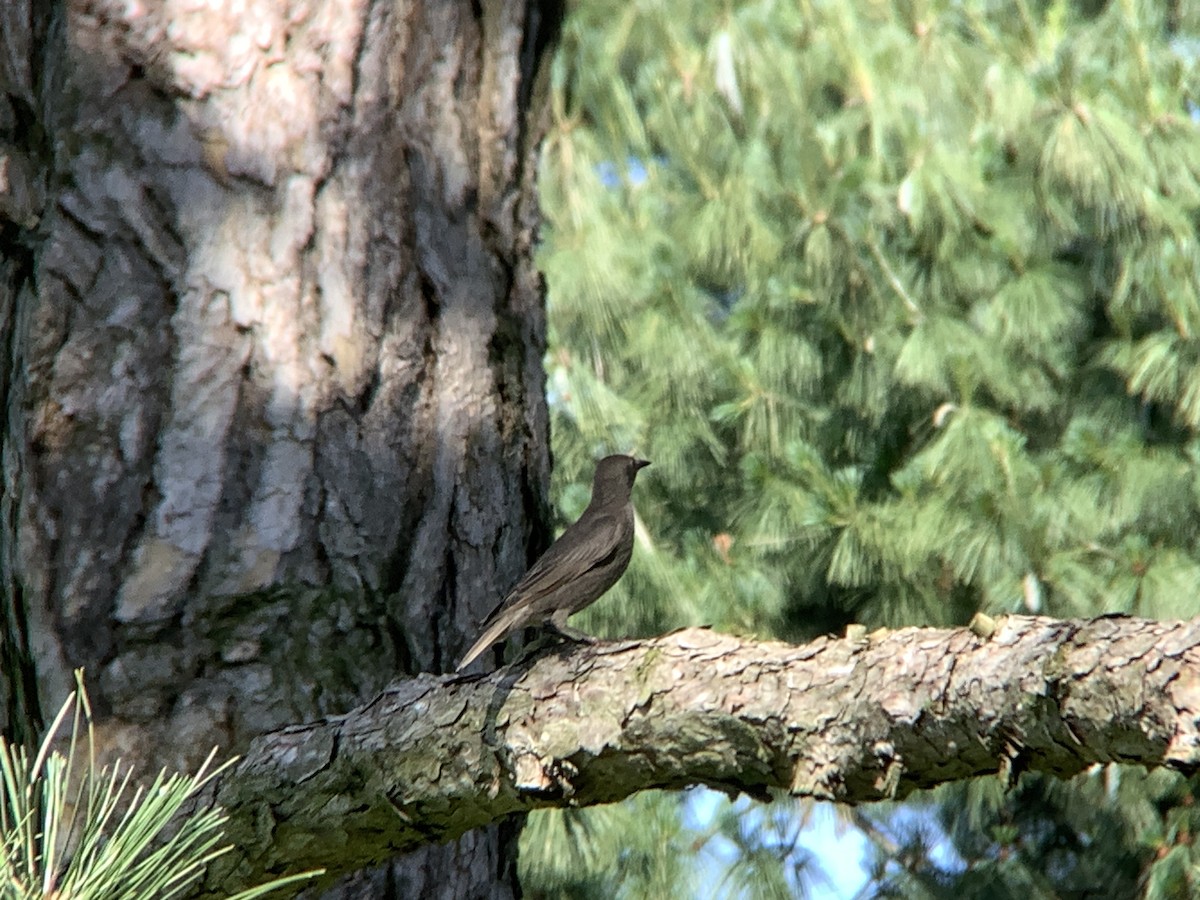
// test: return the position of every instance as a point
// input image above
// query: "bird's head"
(614, 478)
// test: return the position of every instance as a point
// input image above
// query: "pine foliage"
(72, 829)
(901, 297)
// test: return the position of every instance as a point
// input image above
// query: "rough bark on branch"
(851, 720)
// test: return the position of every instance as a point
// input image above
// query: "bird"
(585, 561)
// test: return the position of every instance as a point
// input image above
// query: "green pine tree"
(902, 298)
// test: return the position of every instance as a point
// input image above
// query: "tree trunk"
(275, 428)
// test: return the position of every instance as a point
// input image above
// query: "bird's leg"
(557, 624)
(531, 650)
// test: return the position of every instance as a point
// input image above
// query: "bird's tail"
(506, 621)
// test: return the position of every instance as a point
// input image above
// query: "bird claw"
(565, 632)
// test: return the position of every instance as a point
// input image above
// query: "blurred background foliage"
(902, 298)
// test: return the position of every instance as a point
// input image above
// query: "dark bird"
(585, 561)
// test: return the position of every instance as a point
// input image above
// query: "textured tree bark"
(274, 427)
(847, 720)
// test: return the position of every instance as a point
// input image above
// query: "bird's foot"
(566, 632)
(549, 638)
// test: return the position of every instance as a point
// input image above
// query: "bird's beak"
(640, 464)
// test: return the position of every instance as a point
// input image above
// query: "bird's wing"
(588, 543)
(577, 550)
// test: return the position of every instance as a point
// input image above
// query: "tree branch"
(851, 720)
